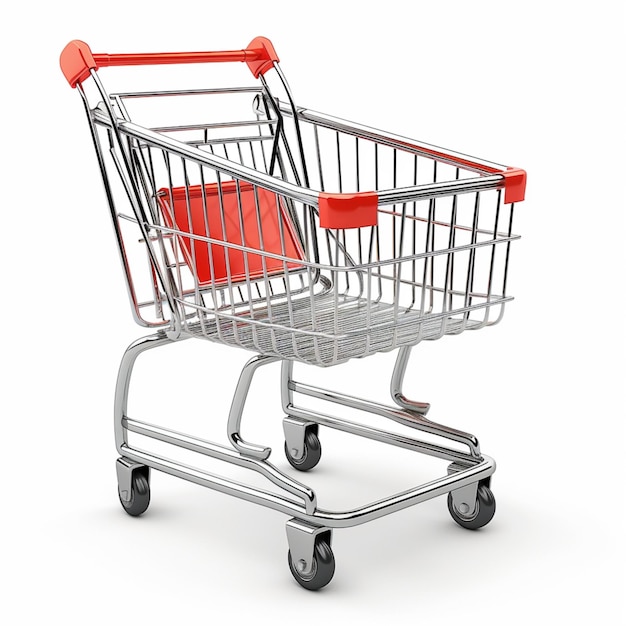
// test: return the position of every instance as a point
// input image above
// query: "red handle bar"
(77, 60)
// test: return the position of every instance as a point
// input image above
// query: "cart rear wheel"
(139, 495)
(312, 452)
(322, 569)
(485, 509)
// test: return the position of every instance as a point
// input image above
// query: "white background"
(529, 84)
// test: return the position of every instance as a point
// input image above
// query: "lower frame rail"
(413, 419)
(222, 453)
(464, 475)
(396, 415)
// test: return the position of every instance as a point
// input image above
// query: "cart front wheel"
(312, 452)
(322, 568)
(139, 495)
(483, 514)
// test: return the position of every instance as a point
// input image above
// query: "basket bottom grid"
(341, 329)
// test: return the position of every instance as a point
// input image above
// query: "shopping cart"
(245, 220)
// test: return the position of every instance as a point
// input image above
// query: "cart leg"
(133, 479)
(123, 382)
(397, 379)
(302, 443)
(236, 409)
(311, 559)
(286, 380)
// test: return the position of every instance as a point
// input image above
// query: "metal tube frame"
(464, 472)
(287, 176)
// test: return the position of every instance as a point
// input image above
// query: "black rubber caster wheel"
(485, 510)
(139, 495)
(322, 570)
(312, 452)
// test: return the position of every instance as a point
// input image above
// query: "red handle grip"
(77, 60)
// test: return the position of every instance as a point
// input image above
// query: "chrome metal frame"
(466, 468)
(181, 313)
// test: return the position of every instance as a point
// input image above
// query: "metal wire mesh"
(248, 265)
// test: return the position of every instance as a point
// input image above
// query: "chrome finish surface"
(397, 379)
(465, 471)
(124, 469)
(321, 517)
(218, 225)
(383, 436)
(227, 455)
(217, 163)
(286, 378)
(412, 420)
(124, 375)
(295, 431)
(218, 483)
(236, 410)
(435, 263)
(301, 538)
(383, 137)
(464, 499)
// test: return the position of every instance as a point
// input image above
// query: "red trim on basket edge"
(344, 210)
(514, 185)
